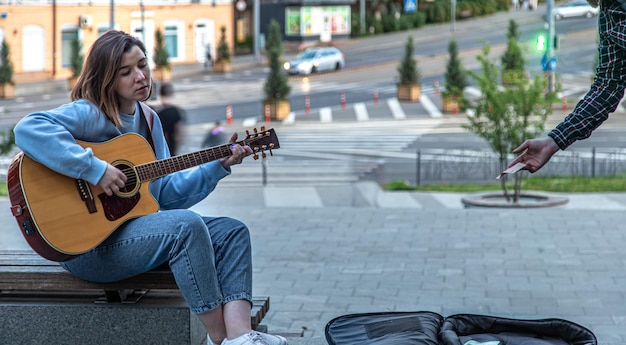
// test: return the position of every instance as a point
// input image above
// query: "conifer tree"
(223, 50)
(455, 76)
(77, 58)
(161, 56)
(513, 62)
(276, 85)
(6, 66)
(408, 70)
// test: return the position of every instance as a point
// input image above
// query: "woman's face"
(133, 80)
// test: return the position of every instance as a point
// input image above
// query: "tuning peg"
(263, 155)
(263, 128)
(247, 132)
(255, 131)
(255, 156)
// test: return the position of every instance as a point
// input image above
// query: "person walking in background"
(215, 136)
(172, 117)
(603, 97)
(209, 58)
(210, 257)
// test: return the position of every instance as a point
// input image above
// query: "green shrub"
(408, 70)
(390, 23)
(161, 56)
(77, 58)
(6, 65)
(276, 85)
(405, 23)
(223, 50)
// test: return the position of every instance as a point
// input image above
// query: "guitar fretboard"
(154, 170)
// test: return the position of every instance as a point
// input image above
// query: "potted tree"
(409, 88)
(505, 117)
(162, 68)
(76, 61)
(276, 85)
(512, 59)
(7, 87)
(222, 60)
(452, 97)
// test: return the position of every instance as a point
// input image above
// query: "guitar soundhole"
(132, 180)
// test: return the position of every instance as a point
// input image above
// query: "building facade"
(39, 32)
(308, 22)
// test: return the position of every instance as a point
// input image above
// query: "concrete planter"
(7, 91)
(277, 109)
(449, 104)
(527, 200)
(71, 82)
(410, 93)
(222, 67)
(162, 74)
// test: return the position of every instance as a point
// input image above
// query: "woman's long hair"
(96, 82)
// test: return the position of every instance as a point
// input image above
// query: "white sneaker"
(256, 338)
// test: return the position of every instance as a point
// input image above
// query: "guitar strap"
(148, 119)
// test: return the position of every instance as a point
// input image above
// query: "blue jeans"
(210, 257)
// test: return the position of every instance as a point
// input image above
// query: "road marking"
(326, 115)
(396, 109)
(473, 91)
(290, 120)
(361, 112)
(249, 122)
(430, 107)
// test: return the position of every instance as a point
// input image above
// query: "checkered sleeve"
(607, 90)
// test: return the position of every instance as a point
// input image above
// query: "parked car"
(316, 59)
(574, 8)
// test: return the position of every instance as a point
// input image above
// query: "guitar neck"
(160, 168)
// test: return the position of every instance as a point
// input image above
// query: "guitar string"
(177, 162)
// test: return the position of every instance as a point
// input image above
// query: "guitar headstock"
(261, 141)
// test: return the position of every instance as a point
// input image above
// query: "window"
(171, 40)
(67, 36)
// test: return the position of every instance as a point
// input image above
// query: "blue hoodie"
(49, 137)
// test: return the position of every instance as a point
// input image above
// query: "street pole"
(453, 16)
(54, 37)
(257, 18)
(550, 43)
(362, 11)
(143, 20)
(112, 22)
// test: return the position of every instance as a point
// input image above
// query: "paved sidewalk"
(322, 252)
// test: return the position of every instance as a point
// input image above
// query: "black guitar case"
(428, 328)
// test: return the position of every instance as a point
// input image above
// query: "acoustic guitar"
(62, 217)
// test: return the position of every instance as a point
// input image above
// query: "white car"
(316, 59)
(574, 8)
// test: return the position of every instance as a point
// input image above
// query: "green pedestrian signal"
(541, 42)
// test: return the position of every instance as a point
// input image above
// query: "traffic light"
(541, 42)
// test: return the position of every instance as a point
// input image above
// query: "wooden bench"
(25, 274)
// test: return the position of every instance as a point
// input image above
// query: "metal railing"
(465, 166)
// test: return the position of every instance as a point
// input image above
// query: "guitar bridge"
(85, 195)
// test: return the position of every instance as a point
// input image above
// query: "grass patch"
(560, 184)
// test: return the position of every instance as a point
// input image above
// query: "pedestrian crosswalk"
(317, 153)
(383, 103)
